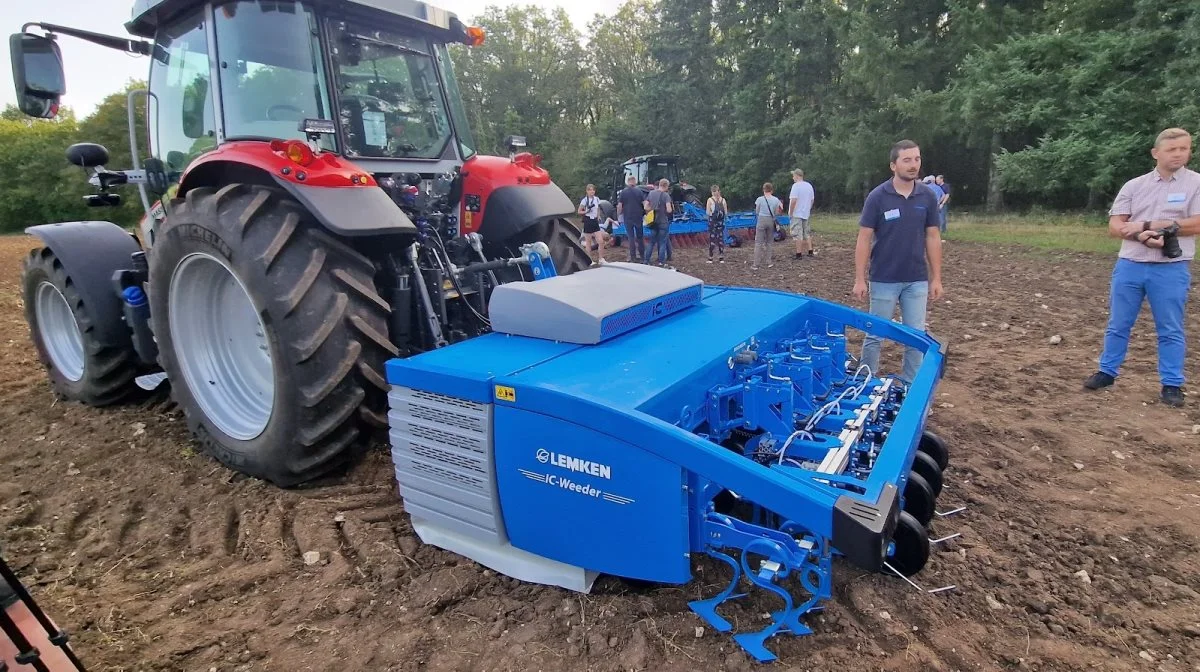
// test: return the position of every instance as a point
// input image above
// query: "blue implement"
(726, 422)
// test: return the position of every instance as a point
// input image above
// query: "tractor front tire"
(62, 327)
(271, 331)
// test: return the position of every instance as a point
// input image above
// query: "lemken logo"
(574, 464)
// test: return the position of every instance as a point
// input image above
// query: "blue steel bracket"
(781, 555)
(541, 264)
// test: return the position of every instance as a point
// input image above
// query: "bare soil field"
(1080, 546)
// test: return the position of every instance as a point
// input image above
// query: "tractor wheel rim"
(221, 346)
(60, 331)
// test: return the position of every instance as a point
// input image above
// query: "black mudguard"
(90, 252)
(352, 211)
(511, 210)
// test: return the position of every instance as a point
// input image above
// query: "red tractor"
(315, 206)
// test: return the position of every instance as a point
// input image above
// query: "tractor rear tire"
(307, 321)
(63, 330)
(560, 235)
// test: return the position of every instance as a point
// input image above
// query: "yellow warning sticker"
(506, 393)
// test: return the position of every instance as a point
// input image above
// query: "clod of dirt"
(1192, 630)
(1173, 590)
(1196, 429)
(311, 557)
(1005, 326)
(994, 603)
(1078, 465)
(1145, 655)
(139, 428)
(1083, 576)
(408, 545)
(1037, 606)
(885, 615)
(635, 653)
(1118, 454)
(1055, 339)
(967, 337)
(1038, 295)
(71, 470)
(1035, 575)
(699, 632)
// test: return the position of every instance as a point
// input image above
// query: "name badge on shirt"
(891, 215)
(1178, 197)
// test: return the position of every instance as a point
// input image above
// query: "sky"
(94, 72)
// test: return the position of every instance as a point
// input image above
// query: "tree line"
(1020, 103)
(41, 187)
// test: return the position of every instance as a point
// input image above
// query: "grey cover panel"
(442, 452)
(573, 308)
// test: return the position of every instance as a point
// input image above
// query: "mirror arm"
(139, 47)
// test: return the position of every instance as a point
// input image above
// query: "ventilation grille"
(632, 318)
(439, 409)
(442, 450)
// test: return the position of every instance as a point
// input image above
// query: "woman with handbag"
(766, 207)
(717, 209)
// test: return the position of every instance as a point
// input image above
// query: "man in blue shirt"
(899, 237)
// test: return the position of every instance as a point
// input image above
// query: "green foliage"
(41, 187)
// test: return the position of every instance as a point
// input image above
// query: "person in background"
(766, 207)
(1169, 194)
(940, 180)
(898, 237)
(629, 208)
(717, 209)
(800, 205)
(659, 203)
(589, 207)
(931, 182)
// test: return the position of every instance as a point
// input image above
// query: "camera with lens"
(1170, 238)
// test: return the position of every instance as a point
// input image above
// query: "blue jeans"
(637, 240)
(912, 298)
(658, 241)
(1166, 285)
(942, 218)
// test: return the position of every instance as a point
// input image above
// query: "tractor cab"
(649, 170)
(254, 70)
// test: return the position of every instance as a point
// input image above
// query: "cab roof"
(148, 14)
(671, 158)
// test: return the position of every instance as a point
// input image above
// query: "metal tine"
(951, 512)
(944, 539)
(914, 585)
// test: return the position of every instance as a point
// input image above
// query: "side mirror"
(37, 74)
